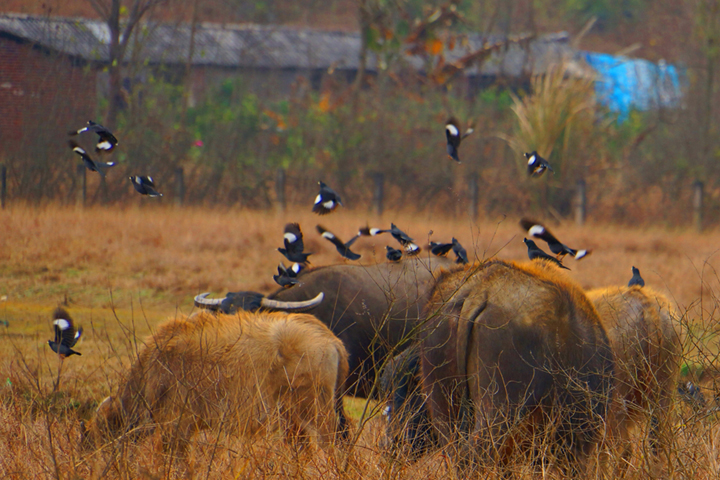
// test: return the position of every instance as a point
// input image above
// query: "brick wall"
(42, 95)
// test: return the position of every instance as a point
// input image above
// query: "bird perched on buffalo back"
(145, 185)
(636, 278)
(536, 164)
(326, 201)
(294, 246)
(65, 335)
(534, 252)
(90, 164)
(393, 254)
(537, 230)
(454, 136)
(342, 248)
(440, 249)
(287, 277)
(459, 251)
(106, 140)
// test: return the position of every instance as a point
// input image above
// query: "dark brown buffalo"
(515, 360)
(373, 309)
(408, 429)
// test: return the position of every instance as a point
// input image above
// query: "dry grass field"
(120, 272)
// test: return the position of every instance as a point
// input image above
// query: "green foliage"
(607, 12)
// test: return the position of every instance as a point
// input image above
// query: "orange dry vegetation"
(124, 270)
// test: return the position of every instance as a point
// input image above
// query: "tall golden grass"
(546, 119)
(122, 271)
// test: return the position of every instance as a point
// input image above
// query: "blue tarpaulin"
(630, 83)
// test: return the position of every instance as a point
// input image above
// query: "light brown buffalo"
(516, 360)
(641, 327)
(238, 373)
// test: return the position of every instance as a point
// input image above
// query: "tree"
(111, 12)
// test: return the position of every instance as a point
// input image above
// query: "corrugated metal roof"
(255, 46)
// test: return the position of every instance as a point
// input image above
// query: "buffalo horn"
(201, 300)
(280, 305)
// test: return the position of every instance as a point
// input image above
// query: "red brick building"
(42, 93)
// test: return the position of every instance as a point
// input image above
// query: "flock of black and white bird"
(106, 144)
(327, 202)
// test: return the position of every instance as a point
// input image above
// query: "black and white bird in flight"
(342, 248)
(294, 246)
(534, 252)
(287, 277)
(106, 141)
(404, 240)
(145, 185)
(537, 230)
(536, 164)
(370, 232)
(636, 278)
(393, 254)
(326, 201)
(454, 136)
(92, 165)
(399, 235)
(402, 237)
(459, 252)
(65, 335)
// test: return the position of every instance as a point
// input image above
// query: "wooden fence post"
(698, 205)
(473, 194)
(378, 192)
(580, 202)
(82, 194)
(103, 190)
(179, 186)
(3, 185)
(280, 179)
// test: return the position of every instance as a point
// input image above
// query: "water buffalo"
(372, 309)
(515, 360)
(239, 373)
(408, 429)
(647, 347)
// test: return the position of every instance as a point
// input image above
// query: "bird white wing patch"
(318, 199)
(290, 237)
(411, 247)
(104, 145)
(62, 324)
(452, 129)
(536, 230)
(386, 411)
(329, 204)
(328, 235)
(531, 159)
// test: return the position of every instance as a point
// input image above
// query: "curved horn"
(201, 301)
(280, 305)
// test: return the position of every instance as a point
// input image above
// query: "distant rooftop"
(256, 46)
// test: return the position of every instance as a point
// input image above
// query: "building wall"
(42, 96)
